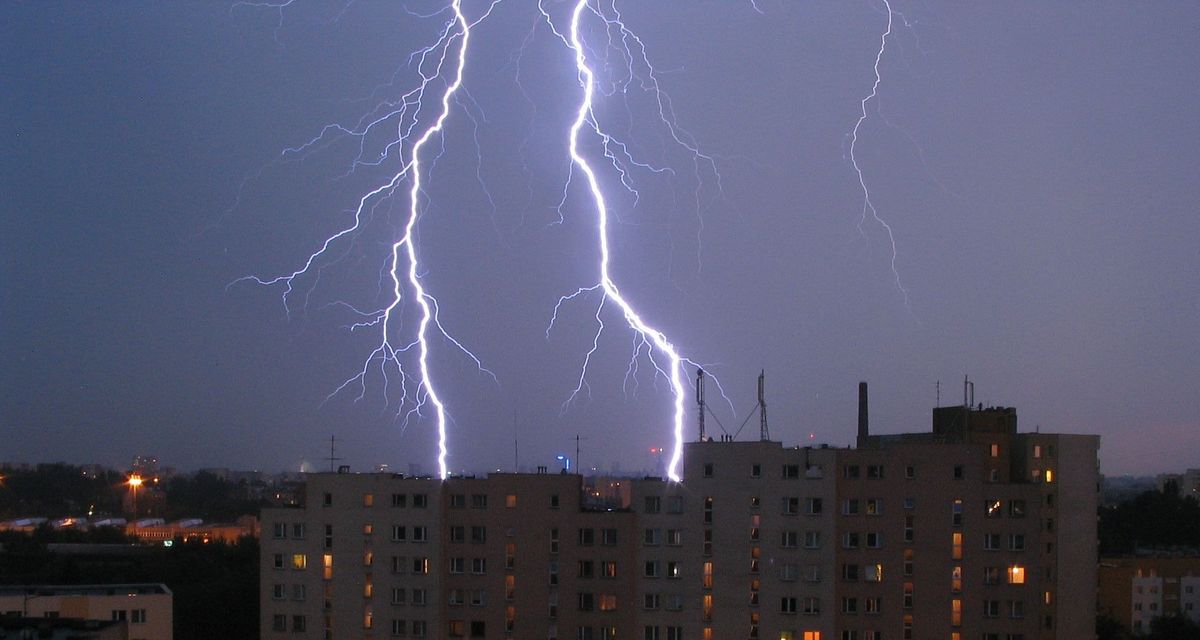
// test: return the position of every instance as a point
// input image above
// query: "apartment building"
(971, 530)
(144, 611)
(1135, 590)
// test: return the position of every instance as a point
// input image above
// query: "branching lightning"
(868, 205)
(438, 62)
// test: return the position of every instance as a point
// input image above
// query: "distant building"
(1135, 590)
(1187, 483)
(144, 608)
(157, 530)
(970, 531)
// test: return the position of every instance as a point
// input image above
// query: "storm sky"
(1037, 162)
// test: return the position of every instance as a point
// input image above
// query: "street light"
(134, 482)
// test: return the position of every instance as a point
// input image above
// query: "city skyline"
(1036, 180)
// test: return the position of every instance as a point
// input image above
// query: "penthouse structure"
(953, 533)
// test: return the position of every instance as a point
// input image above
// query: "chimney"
(863, 422)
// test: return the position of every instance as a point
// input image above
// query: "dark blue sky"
(1037, 162)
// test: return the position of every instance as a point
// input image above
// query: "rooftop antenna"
(764, 434)
(938, 402)
(332, 458)
(578, 465)
(700, 398)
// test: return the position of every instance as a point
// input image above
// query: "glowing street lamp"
(134, 482)
(565, 460)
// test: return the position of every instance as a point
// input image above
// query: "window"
(874, 507)
(327, 500)
(399, 500)
(419, 534)
(874, 540)
(991, 608)
(651, 601)
(991, 541)
(850, 605)
(608, 537)
(328, 536)
(1016, 609)
(510, 501)
(420, 566)
(419, 501)
(478, 501)
(587, 601)
(790, 539)
(278, 561)
(850, 507)
(908, 528)
(278, 591)
(554, 501)
(907, 602)
(478, 566)
(788, 605)
(458, 565)
(399, 533)
(675, 504)
(910, 472)
(458, 533)
(850, 572)
(791, 471)
(873, 573)
(608, 602)
(850, 471)
(755, 470)
(478, 535)
(995, 450)
(875, 471)
(653, 504)
(587, 537)
(812, 506)
(1016, 574)
(873, 605)
(1016, 508)
(708, 469)
(812, 539)
(991, 575)
(956, 545)
(458, 501)
(674, 537)
(907, 568)
(850, 540)
(299, 623)
(419, 628)
(957, 513)
(791, 506)
(652, 537)
(812, 606)
(279, 622)
(299, 561)
(280, 530)
(958, 472)
(651, 569)
(991, 508)
(673, 570)
(1016, 541)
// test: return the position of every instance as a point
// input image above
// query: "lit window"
(1049, 476)
(510, 501)
(368, 499)
(299, 561)
(1016, 574)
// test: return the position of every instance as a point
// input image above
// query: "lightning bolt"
(868, 205)
(418, 392)
(585, 118)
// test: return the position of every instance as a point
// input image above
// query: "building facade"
(144, 609)
(1135, 590)
(972, 530)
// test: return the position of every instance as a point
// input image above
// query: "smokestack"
(863, 421)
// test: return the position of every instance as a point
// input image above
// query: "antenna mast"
(700, 398)
(764, 434)
(332, 458)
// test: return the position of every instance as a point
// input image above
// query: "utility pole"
(332, 458)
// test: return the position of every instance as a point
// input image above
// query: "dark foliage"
(55, 490)
(1152, 519)
(215, 585)
(207, 496)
